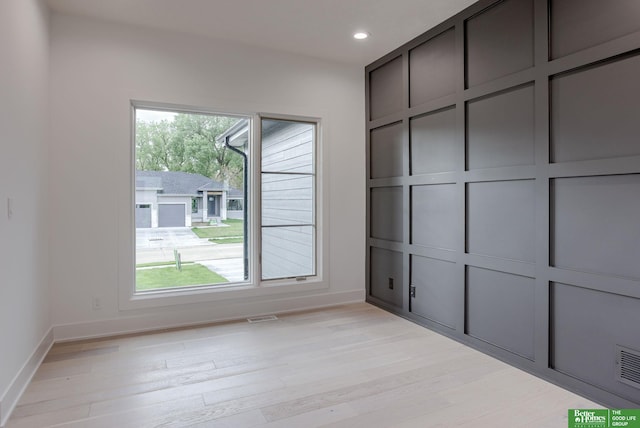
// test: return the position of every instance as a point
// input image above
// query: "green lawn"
(230, 234)
(192, 274)
(232, 240)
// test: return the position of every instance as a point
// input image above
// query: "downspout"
(245, 202)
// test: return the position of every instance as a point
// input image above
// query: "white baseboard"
(163, 319)
(20, 382)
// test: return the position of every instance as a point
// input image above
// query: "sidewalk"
(232, 269)
(190, 253)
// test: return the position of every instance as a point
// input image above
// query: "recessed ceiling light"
(360, 35)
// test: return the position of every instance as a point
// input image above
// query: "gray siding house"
(235, 203)
(288, 203)
(178, 199)
(287, 196)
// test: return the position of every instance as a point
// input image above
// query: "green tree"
(188, 143)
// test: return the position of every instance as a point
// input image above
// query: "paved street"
(159, 237)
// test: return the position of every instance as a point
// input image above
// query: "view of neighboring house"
(235, 203)
(288, 231)
(179, 199)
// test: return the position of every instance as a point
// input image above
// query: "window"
(288, 221)
(235, 205)
(183, 175)
(196, 217)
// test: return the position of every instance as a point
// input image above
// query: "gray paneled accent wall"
(503, 186)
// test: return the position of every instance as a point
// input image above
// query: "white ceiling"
(320, 28)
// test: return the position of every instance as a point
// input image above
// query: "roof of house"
(175, 182)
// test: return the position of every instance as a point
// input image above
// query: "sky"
(150, 116)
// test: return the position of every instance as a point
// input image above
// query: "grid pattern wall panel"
(500, 219)
(596, 224)
(581, 24)
(584, 341)
(436, 290)
(386, 151)
(500, 130)
(386, 213)
(432, 224)
(511, 327)
(499, 41)
(503, 186)
(386, 274)
(432, 68)
(386, 89)
(433, 142)
(595, 112)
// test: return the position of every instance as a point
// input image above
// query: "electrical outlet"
(96, 304)
(390, 283)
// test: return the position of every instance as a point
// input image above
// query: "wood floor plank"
(346, 366)
(248, 383)
(50, 418)
(315, 418)
(80, 354)
(91, 382)
(159, 414)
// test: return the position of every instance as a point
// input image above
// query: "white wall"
(24, 297)
(97, 68)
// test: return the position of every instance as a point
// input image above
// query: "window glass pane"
(288, 252)
(287, 199)
(185, 176)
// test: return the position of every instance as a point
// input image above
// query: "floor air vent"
(267, 318)
(628, 366)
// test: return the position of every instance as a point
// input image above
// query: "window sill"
(217, 293)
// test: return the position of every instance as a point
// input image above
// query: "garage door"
(143, 215)
(171, 215)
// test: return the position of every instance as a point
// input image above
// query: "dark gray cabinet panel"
(595, 112)
(500, 310)
(500, 41)
(500, 130)
(386, 151)
(500, 219)
(587, 326)
(432, 69)
(385, 91)
(433, 219)
(596, 224)
(386, 213)
(386, 276)
(580, 24)
(433, 142)
(436, 296)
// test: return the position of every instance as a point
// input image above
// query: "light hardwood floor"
(348, 366)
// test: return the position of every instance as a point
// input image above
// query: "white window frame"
(128, 299)
(317, 193)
